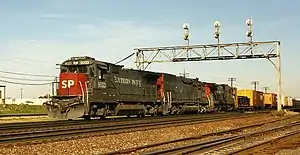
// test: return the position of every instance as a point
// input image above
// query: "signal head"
(249, 33)
(186, 26)
(217, 24)
(249, 22)
(186, 36)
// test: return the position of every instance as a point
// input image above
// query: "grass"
(25, 119)
(21, 109)
(278, 113)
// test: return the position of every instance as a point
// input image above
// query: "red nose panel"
(72, 83)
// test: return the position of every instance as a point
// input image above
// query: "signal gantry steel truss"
(230, 51)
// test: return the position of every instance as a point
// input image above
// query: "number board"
(82, 62)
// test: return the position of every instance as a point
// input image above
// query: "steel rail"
(65, 123)
(266, 144)
(111, 129)
(134, 149)
(202, 146)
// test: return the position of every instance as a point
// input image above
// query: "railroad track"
(29, 125)
(46, 125)
(246, 141)
(100, 129)
(200, 143)
(270, 146)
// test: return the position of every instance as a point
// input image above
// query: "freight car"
(296, 103)
(244, 103)
(254, 102)
(270, 100)
(287, 101)
(291, 103)
(91, 88)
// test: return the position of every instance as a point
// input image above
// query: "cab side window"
(92, 74)
(101, 73)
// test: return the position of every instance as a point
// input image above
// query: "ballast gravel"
(101, 144)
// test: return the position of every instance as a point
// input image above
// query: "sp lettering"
(67, 83)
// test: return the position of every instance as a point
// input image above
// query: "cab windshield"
(74, 69)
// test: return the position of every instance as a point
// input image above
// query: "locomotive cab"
(74, 76)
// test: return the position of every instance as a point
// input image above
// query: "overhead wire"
(20, 83)
(125, 58)
(24, 79)
(21, 61)
(17, 58)
(37, 75)
(12, 79)
(240, 84)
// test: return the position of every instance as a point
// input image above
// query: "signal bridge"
(231, 51)
(219, 51)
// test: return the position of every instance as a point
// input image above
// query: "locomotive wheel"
(102, 117)
(87, 117)
(140, 115)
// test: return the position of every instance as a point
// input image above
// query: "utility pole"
(184, 74)
(255, 83)
(21, 92)
(231, 81)
(266, 89)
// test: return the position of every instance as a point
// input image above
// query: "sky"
(36, 35)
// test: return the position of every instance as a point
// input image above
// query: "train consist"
(91, 88)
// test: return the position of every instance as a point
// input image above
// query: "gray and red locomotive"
(91, 88)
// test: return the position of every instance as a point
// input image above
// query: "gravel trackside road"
(101, 144)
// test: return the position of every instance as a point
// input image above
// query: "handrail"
(83, 95)
(87, 91)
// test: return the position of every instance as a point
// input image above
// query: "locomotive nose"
(72, 84)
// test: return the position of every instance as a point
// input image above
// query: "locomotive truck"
(91, 88)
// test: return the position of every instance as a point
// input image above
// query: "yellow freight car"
(256, 97)
(270, 100)
(288, 101)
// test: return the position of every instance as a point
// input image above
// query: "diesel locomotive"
(91, 88)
